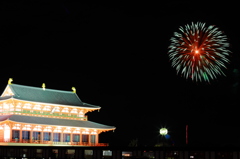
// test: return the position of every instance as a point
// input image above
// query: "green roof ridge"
(40, 88)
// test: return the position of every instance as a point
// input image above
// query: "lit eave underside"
(56, 122)
(101, 130)
(50, 104)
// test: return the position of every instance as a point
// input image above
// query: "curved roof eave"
(104, 129)
(95, 107)
(5, 98)
(56, 122)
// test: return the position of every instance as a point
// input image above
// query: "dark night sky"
(115, 54)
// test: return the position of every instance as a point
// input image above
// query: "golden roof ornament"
(10, 81)
(74, 89)
(43, 86)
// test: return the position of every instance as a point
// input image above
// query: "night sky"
(115, 55)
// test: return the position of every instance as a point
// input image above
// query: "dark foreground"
(34, 152)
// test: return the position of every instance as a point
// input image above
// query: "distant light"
(163, 131)
(167, 136)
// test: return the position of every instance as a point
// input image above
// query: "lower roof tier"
(55, 122)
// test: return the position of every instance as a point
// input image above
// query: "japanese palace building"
(46, 117)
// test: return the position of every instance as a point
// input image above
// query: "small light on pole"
(163, 131)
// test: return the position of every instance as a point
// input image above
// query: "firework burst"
(199, 52)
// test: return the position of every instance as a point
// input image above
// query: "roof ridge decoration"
(43, 86)
(74, 89)
(10, 81)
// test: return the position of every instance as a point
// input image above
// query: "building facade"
(47, 117)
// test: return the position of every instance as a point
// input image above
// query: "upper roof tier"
(48, 96)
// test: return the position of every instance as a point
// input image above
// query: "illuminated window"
(56, 137)
(126, 153)
(15, 134)
(76, 137)
(66, 137)
(107, 153)
(46, 136)
(26, 135)
(88, 152)
(93, 139)
(36, 135)
(70, 152)
(85, 138)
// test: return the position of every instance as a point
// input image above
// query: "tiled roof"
(55, 122)
(52, 96)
